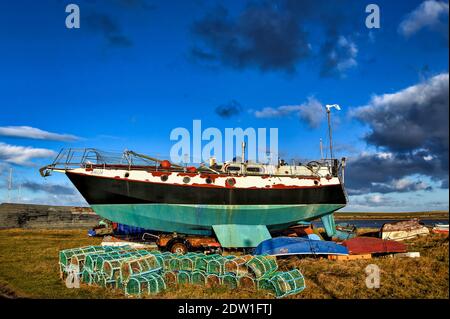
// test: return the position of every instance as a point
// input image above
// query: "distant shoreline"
(36, 215)
(392, 215)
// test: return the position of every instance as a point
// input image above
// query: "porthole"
(208, 180)
(230, 182)
(186, 179)
(164, 178)
(127, 175)
(316, 182)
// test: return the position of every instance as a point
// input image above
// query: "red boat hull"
(369, 245)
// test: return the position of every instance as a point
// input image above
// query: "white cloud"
(351, 51)
(311, 111)
(22, 155)
(34, 133)
(427, 14)
(401, 185)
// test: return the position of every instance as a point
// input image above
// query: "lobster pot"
(188, 261)
(246, 282)
(170, 278)
(201, 263)
(262, 265)
(87, 276)
(66, 255)
(238, 265)
(166, 258)
(159, 257)
(99, 280)
(174, 264)
(282, 284)
(94, 260)
(229, 280)
(183, 277)
(145, 284)
(198, 277)
(212, 280)
(111, 266)
(217, 266)
(134, 266)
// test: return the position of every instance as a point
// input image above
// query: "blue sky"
(137, 69)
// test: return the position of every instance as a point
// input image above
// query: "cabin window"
(208, 180)
(233, 168)
(186, 179)
(164, 178)
(254, 169)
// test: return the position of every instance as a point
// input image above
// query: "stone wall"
(46, 217)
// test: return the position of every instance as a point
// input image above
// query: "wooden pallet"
(350, 257)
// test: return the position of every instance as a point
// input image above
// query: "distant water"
(377, 223)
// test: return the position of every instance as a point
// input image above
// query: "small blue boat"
(281, 246)
(345, 231)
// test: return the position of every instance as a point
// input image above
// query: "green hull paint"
(232, 235)
(199, 219)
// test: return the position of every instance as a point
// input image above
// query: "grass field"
(29, 269)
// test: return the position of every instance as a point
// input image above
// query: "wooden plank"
(350, 257)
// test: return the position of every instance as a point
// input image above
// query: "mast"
(329, 133)
(321, 150)
(328, 107)
(9, 184)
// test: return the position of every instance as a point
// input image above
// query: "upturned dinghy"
(282, 246)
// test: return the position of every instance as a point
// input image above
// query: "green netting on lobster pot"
(188, 261)
(217, 265)
(288, 283)
(95, 260)
(238, 265)
(246, 282)
(111, 266)
(87, 276)
(160, 259)
(198, 277)
(170, 278)
(201, 263)
(183, 277)
(66, 254)
(99, 280)
(166, 258)
(150, 283)
(229, 280)
(261, 266)
(212, 280)
(174, 263)
(138, 265)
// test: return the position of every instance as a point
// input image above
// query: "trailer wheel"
(179, 248)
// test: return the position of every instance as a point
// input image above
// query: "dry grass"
(29, 268)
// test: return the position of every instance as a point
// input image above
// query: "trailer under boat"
(238, 202)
